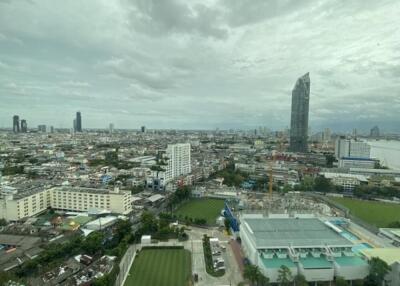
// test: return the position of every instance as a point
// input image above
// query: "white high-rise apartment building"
(179, 160)
(345, 148)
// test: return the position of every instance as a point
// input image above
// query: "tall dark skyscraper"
(299, 116)
(24, 126)
(78, 122)
(16, 124)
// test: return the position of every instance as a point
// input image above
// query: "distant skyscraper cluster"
(78, 122)
(19, 126)
(299, 115)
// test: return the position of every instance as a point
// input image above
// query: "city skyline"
(241, 77)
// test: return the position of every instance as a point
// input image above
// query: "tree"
(284, 276)
(377, 272)
(340, 281)
(300, 280)
(329, 160)
(227, 224)
(3, 222)
(251, 273)
(93, 242)
(322, 184)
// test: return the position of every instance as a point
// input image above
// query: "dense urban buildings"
(299, 115)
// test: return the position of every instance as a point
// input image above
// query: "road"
(232, 275)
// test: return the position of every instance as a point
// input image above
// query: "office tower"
(74, 125)
(299, 115)
(51, 129)
(42, 128)
(16, 124)
(143, 129)
(111, 128)
(348, 148)
(78, 122)
(24, 126)
(178, 160)
(375, 132)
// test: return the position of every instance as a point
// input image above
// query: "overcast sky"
(199, 64)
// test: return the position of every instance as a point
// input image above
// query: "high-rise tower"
(16, 124)
(299, 116)
(78, 122)
(24, 126)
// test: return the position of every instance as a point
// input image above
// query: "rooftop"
(295, 232)
(389, 255)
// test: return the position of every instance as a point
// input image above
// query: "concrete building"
(16, 124)
(347, 181)
(78, 122)
(353, 162)
(299, 115)
(179, 161)
(16, 205)
(374, 132)
(42, 128)
(392, 257)
(304, 244)
(351, 148)
(24, 126)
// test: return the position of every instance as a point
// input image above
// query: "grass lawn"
(208, 209)
(376, 213)
(160, 267)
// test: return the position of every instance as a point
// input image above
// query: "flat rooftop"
(294, 232)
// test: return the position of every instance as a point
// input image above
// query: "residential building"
(299, 115)
(179, 161)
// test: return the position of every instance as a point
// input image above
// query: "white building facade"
(351, 148)
(179, 160)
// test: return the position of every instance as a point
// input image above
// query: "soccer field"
(376, 213)
(160, 267)
(208, 209)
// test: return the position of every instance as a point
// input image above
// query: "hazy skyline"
(199, 64)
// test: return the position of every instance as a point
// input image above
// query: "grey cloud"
(172, 16)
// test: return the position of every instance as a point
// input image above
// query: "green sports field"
(376, 213)
(160, 267)
(208, 209)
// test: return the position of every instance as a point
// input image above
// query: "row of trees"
(159, 228)
(378, 269)
(231, 176)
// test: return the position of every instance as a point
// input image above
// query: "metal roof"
(294, 232)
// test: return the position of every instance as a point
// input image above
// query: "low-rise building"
(304, 244)
(16, 205)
